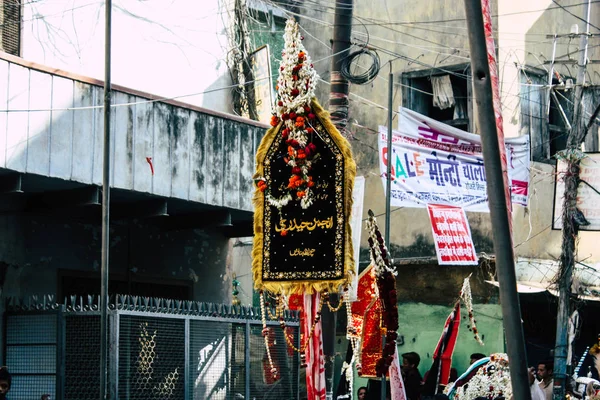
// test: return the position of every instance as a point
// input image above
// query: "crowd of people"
(542, 378)
(541, 381)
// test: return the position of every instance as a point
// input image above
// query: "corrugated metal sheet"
(196, 156)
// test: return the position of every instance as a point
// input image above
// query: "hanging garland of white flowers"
(295, 91)
(467, 298)
(491, 381)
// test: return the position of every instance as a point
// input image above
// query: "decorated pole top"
(304, 178)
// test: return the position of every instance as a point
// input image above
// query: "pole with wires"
(572, 156)
(499, 210)
(338, 109)
(104, 393)
(340, 47)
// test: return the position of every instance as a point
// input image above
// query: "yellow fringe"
(289, 287)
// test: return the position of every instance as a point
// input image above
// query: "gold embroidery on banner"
(337, 272)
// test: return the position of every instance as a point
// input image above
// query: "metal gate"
(158, 349)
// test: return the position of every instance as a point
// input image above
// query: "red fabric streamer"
(149, 161)
(315, 363)
(493, 65)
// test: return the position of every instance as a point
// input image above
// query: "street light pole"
(104, 393)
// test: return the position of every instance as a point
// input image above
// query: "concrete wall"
(38, 247)
(169, 49)
(196, 156)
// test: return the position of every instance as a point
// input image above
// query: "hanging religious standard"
(304, 179)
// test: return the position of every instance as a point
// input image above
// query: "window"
(10, 26)
(547, 127)
(442, 94)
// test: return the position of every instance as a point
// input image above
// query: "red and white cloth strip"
(493, 65)
(315, 363)
(396, 382)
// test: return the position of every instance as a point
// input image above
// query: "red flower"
(280, 103)
(295, 92)
(306, 109)
(284, 233)
(311, 116)
(311, 146)
(285, 117)
(293, 116)
(296, 171)
(274, 120)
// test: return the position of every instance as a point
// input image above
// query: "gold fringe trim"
(258, 200)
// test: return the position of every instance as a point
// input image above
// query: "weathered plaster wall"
(47, 245)
(195, 156)
(430, 44)
(520, 29)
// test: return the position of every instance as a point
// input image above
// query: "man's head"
(362, 393)
(411, 360)
(5, 382)
(545, 370)
(475, 356)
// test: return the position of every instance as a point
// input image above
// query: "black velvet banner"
(305, 244)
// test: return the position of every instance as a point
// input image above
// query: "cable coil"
(365, 77)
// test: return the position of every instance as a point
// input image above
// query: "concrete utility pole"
(338, 109)
(340, 47)
(569, 226)
(499, 214)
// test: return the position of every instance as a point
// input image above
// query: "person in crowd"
(5, 382)
(411, 375)
(475, 356)
(362, 393)
(536, 391)
(545, 373)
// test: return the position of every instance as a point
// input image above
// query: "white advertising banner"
(358, 197)
(435, 163)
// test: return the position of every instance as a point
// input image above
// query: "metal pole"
(569, 230)
(388, 185)
(340, 47)
(105, 208)
(550, 73)
(388, 189)
(502, 237)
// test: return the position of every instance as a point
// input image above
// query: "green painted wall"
(421, 325)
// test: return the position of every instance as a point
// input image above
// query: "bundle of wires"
(369, 73)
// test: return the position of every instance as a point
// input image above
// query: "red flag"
(439, 373)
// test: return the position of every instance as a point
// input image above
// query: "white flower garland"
(307, 76)
(467, 298)
(376, 256)
(490, 381)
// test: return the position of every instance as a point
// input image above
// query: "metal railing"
(158, 349)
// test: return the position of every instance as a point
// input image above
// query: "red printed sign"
(452, 235)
